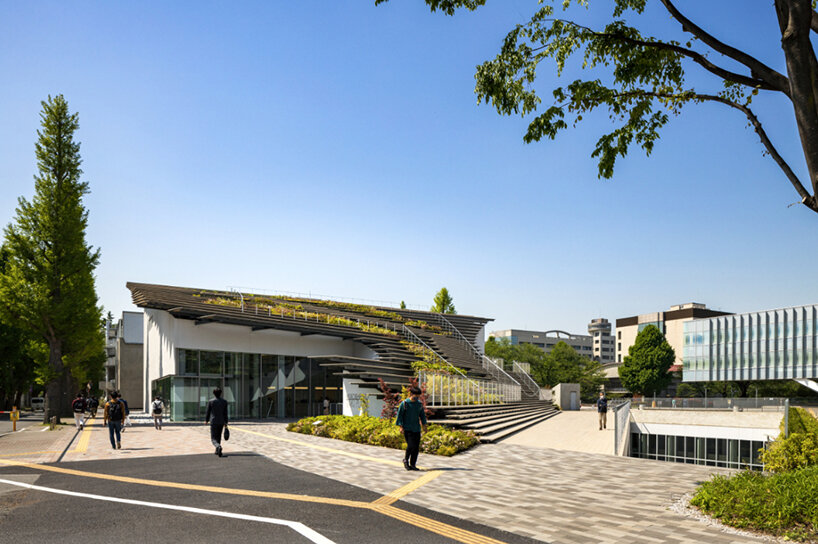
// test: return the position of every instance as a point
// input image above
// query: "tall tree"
(564, 365)
(47, 287)
(443, 302)
(644, 76)
(646, 368)
(16, 365)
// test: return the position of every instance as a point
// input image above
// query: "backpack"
(157, 407)
(114, 411)
(78, 405)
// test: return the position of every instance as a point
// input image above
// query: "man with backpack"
(411, 419)
(78, 406)
(157, 407)
(113, 416)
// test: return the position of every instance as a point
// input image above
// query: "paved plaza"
(546, 494)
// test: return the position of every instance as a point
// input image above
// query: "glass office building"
(768, 345)
(255, 386)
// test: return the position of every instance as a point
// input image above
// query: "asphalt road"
(34, 516)
(27, 419)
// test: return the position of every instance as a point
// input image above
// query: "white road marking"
(297, 526)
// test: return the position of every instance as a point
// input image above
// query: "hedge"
(375, 431)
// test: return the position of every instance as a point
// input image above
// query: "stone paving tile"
(36, 445)
(555, 496)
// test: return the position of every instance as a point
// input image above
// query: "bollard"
(52, 423)
(15, 415)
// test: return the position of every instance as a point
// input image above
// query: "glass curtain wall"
(255, 386)
(720, 452)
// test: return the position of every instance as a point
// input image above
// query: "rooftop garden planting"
(296, 311)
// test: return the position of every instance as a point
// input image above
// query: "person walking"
(113, 416)
(216, 415)
(157, 407)
(602, 408)
(78, 406)
(411, 419)
(126, 421)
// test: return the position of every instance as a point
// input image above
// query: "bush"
(781, 504)
(799, 449)
(375, 431)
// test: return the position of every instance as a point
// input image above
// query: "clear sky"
(336, 148)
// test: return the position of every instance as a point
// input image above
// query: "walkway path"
(552, 495)
(571, 431)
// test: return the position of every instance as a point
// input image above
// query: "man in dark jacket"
(113, 416)
(411, 419)
(602, 408)
(216, 415)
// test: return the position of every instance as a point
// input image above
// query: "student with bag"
(411, 419)
(157, 407)
(216, 415)
(113, 416)
(78, 406)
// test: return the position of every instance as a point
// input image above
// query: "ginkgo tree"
(645, 81)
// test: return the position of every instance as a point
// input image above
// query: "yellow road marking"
(28, 453)
(85, 438)
(401, 492)
(191, 487)
(323, 448)
(449, 531)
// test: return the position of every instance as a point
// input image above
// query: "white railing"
(493, 369)
(532, 386)
(464, 387)
(447, 390)
(622, 423)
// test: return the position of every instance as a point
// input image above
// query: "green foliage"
(783, 504)
(436, 366)
(375, 431)
(425, 326)
(645, 369)
(297, 311)
(799, 449)
(402, 305)
(443, 302)
(639, 80)
(47, 288)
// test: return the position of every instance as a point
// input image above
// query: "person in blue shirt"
(411, 419)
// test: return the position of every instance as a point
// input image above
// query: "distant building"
(124, 368)
(670, 323)
(546, 340)
(603, 347)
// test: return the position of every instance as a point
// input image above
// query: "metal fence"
(710, 403)
(447, 390)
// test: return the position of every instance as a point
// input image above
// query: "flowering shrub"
(375, 431)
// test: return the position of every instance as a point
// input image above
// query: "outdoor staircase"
(494, 422)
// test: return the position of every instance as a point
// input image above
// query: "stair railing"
(488, 365)
(531, 386)
(473, 389)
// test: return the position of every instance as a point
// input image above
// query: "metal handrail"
(486, 362)
(621, 427)
(534, 387)
(416, 339)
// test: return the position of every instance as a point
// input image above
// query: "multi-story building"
(124, 367)
(777, 344)
(546, 340)
(670, 323)
(603, 347)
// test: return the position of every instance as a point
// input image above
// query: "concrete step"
(492, 423)
(489, 416)
(500, 434)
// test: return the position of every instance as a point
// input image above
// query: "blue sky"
(336, 148)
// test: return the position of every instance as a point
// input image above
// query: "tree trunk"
(794, 17)
(57, 391)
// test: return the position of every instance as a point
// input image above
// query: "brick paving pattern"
(551, 495)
